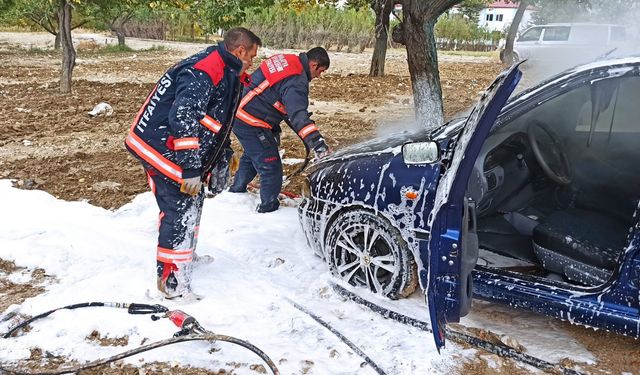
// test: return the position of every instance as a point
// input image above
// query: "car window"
(618, 34)
(556, 33)
(531, 35)
(620, 116)
(589, 33)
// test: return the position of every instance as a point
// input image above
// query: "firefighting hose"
(190, 330)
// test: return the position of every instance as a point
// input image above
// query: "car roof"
(579, 24)
(628, 62)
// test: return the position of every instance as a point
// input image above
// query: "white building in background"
(499, 15)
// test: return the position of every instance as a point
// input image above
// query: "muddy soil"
(52, 144)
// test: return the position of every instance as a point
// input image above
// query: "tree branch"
(80, 24)
(41, 23)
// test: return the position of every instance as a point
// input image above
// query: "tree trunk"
(56, 42)
(423, 66)
(68, 52)
(382, 9)
(507, 55)
(120, 35)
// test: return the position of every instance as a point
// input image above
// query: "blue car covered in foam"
(531, 200)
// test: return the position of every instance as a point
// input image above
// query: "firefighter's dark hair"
(240, 36)
(319, 55)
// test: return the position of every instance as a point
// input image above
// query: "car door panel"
(447, 250)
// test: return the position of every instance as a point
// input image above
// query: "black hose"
(135, 309)
(307, 156)
(350, 344)
(459, 337)
(144, 348)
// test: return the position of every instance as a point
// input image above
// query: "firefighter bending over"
(279, 91)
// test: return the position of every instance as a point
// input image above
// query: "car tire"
(366, 250)
(514, 57)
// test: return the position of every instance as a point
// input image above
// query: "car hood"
(392, 144)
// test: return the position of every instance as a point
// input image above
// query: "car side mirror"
(421, 152)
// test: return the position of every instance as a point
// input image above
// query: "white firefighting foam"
(109, 256)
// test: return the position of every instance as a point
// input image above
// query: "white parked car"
(563, 45)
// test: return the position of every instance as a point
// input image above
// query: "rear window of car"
(556, 33)
(531, 35)
(589, 33)
(618, 34)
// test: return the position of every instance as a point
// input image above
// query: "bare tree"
(68, 52)
(382, 10)
(416, 32)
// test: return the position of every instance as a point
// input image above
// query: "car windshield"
(531, 35)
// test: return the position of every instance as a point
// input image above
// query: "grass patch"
(115, 48)
(38, 51)
(155, 48)
(470, 53)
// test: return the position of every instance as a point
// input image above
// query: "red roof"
(503, 4)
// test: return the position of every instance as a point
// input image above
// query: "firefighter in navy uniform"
(279, 91)
(181, 136)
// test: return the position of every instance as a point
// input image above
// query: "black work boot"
(268, 207)
(234, 189)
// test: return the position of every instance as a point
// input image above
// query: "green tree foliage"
(224, 14)
(284, 27)
(40, 14)
(115, 14)
(471, 8)
(358, 4)
(5, 5)
(548, 11)
(454, 31)
(602, 11)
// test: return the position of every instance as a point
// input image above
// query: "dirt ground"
(51, 143)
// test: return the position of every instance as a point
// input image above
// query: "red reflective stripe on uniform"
(307, 130)
(186, 143)
(173, 256)
(250, 120)
(171, 260)
(164, 250)
(153, 157)
(211, 124)
(152, 184)
(257, 91)
(160, 219)
(196, 231)
(280, 107)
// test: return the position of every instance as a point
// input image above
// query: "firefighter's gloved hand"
(220, 176)
(321, 149)
(219, 179)
(191, 185)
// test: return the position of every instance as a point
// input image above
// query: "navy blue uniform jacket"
(279, 91)
(182, 123)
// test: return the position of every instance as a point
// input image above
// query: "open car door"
(453, 245)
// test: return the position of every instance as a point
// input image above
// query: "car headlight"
(305, 190)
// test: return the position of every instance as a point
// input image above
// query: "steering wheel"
(551, 158)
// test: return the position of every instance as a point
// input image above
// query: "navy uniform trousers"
(179, 223)
(261, 157)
